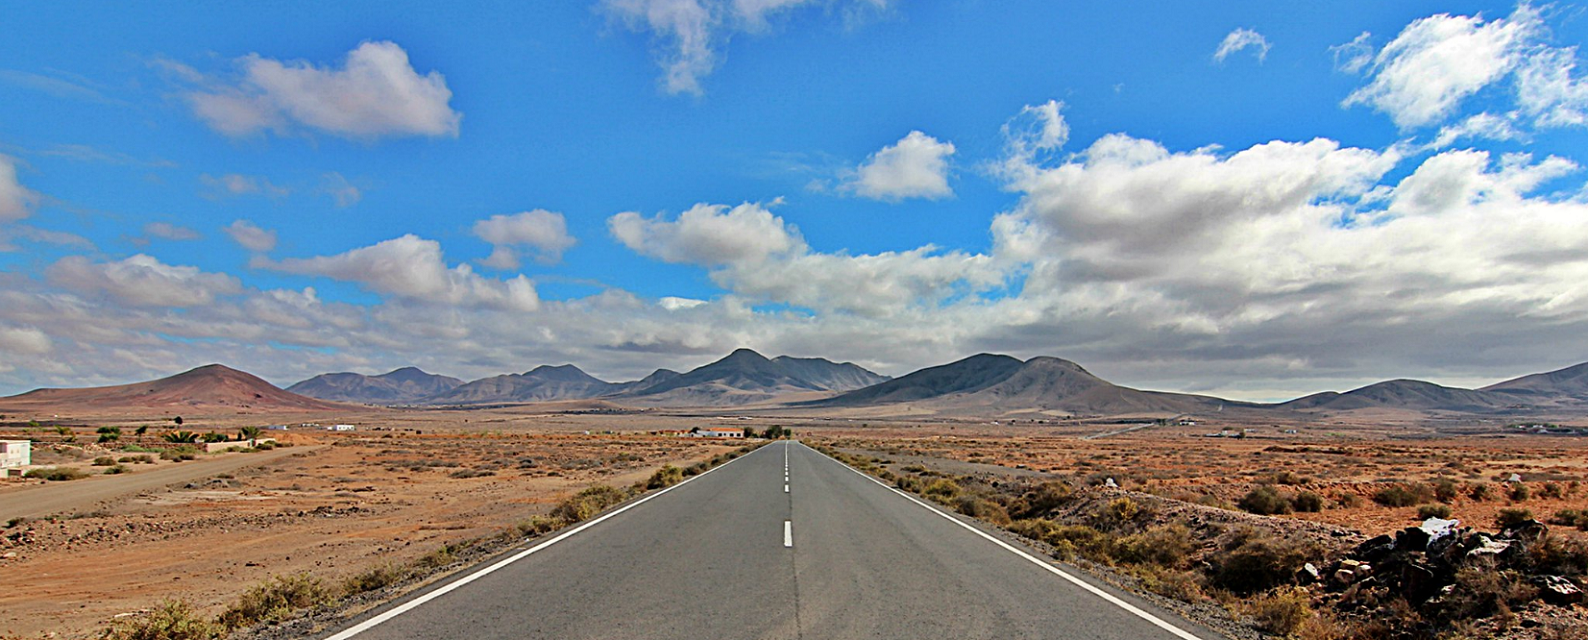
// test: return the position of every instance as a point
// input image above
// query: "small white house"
(716, 432)
(340, 427)
(15, 454)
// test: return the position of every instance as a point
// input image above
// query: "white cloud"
(673, 303)
(1421, 76)
(375, 93)
(341, 190)
(708, 235)
(1241, 39)
(1353, 56)
(142, 280)
(543, 231)
(251, 237)
(914, 167)
(16, 201)
(168, 231)
(414, 268)
(1486, 126)
(24, 341)
(1550, 90)
(236, 184)
(689, 34)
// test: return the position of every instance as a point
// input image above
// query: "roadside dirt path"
(84, 495)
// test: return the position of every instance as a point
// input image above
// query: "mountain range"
(980, 385)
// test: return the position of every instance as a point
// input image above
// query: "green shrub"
(538, 525)
(104, 461)
(55, 474)
(1264, 501)
(1349, 500)
(1307, 502)
(586, 504)
(114, 470)
(666, 476)
(1572, 518)
(1511, 517)
(1446, 490)
(1045, 498)
(1520, 492)
(1118, 512)
(1553, 490)
(275, 600)
(170, 620)
(1481, 492)
(1485, 593)
(178, 454)
(1433, 511)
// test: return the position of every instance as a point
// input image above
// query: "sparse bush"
(1446, 490)
(115, 470)
(1290, 477)
(170, 620)
(1557, 555)
(1481, 492)
(1282, 611)
(1307, 502)
(1553, 490)
(275, 599)
(538, 525)
(1118, 512)
(1264, 501)
(1066, 540)
(666, 476)
(1045, 498)
(585, 504)
(943, 490)
(374, 578)
(1253, 561)
(1403, 495)
(983, 509)
(1485, 593)
(1572, 518)
(1349, 500)
(471, 473)
(1512, 517)
(1170, 583)
(104, 461)
(1167, 545)
(56, 474)
(1433, 511)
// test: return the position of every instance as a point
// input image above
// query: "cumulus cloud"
(413, 268)
(914, 167)
(689, 34)
(24, 341)
(168, 231)
(1485, 126)
(708, 234)
(544, 232)
(374, 93)
(251, 237)
(16, 201)
(1353, 56)
(1239, 40)
(142, 280)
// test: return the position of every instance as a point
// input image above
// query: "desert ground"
(409, 485)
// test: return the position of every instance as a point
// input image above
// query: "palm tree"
(250, 433)
(180, 437)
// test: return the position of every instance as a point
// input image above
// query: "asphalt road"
(740, 552)
(62, 498)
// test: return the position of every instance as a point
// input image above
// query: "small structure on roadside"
(15, 454)
(716, 432)
(340, 427)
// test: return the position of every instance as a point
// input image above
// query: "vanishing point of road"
(782, 543)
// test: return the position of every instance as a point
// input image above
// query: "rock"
(1487, 547)
(1527, 531)
(1344, 576)
(1375, 549)
(1307, 574)
(1559, 590)
(1412, 539)
(1419, 582)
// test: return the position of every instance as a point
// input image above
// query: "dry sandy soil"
(370, 497)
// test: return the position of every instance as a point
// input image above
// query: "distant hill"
(1414, 395)
(1563, 386)
(745, 377)
(541, 384)
(407, 385)
(211, 386)
(990, 384)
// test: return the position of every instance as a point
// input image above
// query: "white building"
(716, 432)
(340, 427)
(15, 454)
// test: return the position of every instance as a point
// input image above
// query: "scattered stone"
(1559, 590)
(1307, 574)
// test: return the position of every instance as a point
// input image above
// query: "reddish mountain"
(211, 386)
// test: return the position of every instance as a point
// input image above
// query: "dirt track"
(80, 495)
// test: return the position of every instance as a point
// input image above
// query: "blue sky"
(631, 184)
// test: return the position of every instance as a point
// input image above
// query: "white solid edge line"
(1106, 596)
(788, 533)
(450, 587)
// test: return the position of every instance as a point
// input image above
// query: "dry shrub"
(170, 620)
(1170, 583)
(1045, 498)
(1485, 593)
(983, 509)
(1282, 611)
(943, 490)
(666, 476)
(1509, 517)
(276, 599)
(1264, 501)
(1251, 560)
(1167, 545)
(375, 578)
(586, 504)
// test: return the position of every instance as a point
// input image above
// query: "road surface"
(83, 495)
(782, 543)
